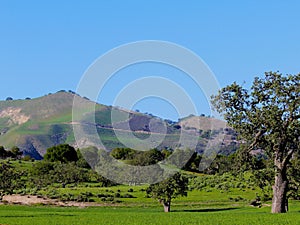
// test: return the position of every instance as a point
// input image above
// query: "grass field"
(31, 215)
(223, 199)
(199, 207)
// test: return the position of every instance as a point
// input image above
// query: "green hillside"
(37, 124)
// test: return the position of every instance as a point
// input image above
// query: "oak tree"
(267, 118)
(61, 153)
(168, 189)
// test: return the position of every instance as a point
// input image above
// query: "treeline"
(64, 166)
(233, 165)
(61, 165)
(140, 158)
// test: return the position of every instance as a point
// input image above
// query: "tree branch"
(286, 159)
(256, 140)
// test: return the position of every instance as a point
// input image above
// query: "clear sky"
(46, 46)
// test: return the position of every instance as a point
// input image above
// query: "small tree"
(62, 153)
(267, 118)
(168, 189)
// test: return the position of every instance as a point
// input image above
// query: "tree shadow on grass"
(206, 210)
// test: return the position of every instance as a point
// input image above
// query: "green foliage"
(225, 182)
(62, 153)
(267, 118)
(67, 173)
(145, 158)
(165, 191)
(40, 174)
(27, 158)
(263, 179)
(238, 162)
(193, 162)
(123, 153)
(81, 162)
(138, 158)
(42, 167)
(9, 178)
(44, 173)
(91, 154)
(166, 153)
(294, 175)
(222, 164)
(102, 181)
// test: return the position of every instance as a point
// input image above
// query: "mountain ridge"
(37, 124)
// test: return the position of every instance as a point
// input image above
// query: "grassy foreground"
(212, 199)
(17, 215)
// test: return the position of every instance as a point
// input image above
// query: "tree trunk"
(167, 206)
(280, 188)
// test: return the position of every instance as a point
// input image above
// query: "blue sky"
(46, 46)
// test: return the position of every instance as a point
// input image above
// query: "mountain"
(37, 124)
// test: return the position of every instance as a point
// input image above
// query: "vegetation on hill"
(140, 158)
(37, 124)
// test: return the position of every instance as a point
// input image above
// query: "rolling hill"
(37, 124)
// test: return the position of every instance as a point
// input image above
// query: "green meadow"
(181, 214)
(199, 207)
(211, 199)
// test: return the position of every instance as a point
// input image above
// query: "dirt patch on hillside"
(15, 116)
(203, 123)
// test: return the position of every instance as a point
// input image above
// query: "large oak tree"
(267, 117)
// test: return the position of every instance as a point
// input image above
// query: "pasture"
(200, 207)
(47, 215)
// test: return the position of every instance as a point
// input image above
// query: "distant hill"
(37, 124)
